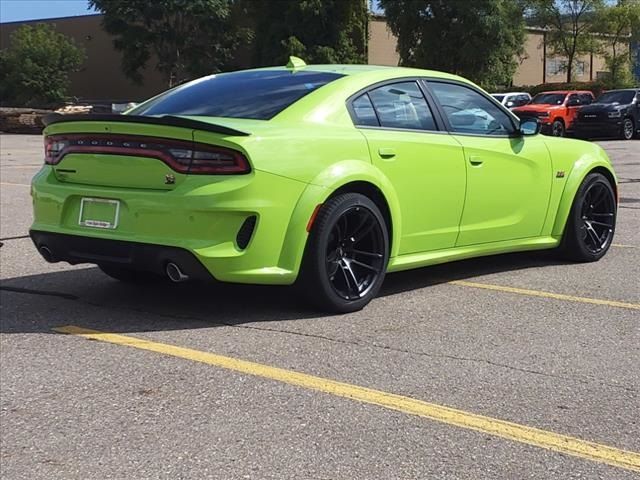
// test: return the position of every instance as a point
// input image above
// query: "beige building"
(101, 77)
(535, 65)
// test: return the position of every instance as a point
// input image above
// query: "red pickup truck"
(556, 110)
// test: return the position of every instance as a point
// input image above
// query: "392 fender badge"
(169, 179)
(560, 174)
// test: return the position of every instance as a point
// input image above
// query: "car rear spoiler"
(170, 120)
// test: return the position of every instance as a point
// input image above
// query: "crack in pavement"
(18, 237)
(66, 296)
(586, 379)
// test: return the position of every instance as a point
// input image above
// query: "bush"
(595, 87)
(35, 68)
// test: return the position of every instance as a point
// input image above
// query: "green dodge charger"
(322, 176)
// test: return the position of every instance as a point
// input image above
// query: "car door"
(425, 165)
(508, 175)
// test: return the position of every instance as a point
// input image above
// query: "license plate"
(99, 213)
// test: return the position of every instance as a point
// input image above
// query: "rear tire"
(346, 257)
(592, 221)
(128, 275)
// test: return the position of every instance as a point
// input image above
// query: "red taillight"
(182, 156)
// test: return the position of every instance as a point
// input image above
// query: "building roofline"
(41, 20)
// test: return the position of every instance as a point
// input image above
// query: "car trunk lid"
(138, 152)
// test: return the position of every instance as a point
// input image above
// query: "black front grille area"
(245, 232)
(591, 117)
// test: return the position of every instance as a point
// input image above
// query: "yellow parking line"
(511, 431)
(538, 293)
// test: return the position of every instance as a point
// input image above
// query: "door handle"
(386, 152)
(475, 161)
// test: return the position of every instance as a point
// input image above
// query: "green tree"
(183, 38)
(479, 40)
(569, 25)
(615, 25)
(35, 67)
(319, 31)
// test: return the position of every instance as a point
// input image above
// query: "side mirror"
(530, 126)
(574, 102)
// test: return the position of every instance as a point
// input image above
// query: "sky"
(17, 10)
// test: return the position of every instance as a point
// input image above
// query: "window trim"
(440, 125)
(515, 122)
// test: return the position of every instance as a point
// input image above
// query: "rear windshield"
(254, 94)
(498, 97)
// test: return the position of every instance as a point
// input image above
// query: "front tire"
(557, 128)
(346, 256)
(628, 129)
(592, 221)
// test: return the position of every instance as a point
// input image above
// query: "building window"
(556, 66)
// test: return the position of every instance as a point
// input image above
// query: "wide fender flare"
(319, 190)
(581, 168)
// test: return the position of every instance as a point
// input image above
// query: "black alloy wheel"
(592, 220)
(355, 253)
(347, 253)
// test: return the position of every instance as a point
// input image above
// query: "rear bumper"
(137, 256)
(201, 219)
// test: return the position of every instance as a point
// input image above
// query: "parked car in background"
(512, 99)
(556, 110)
(614, 113)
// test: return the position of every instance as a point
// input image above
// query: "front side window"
(257, 94)
(402, 105)
(470, 112)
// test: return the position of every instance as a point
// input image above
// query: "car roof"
(368, 70)
(510, 93)
(622, 90)
(568, 91)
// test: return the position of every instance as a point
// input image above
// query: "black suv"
(614, 113)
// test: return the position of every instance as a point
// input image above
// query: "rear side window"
(585, 99)
(257, 94)
(364, 112)
(400, 105)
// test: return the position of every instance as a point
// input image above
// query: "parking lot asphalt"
(539, 360)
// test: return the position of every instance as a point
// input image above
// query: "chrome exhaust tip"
(175, 274)
(47, 254)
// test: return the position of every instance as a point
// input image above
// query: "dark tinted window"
(470, 112)
(549, 99)
(402, 105)
(623, 97)
(259, 94)
(363, 112)
(585, 99)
